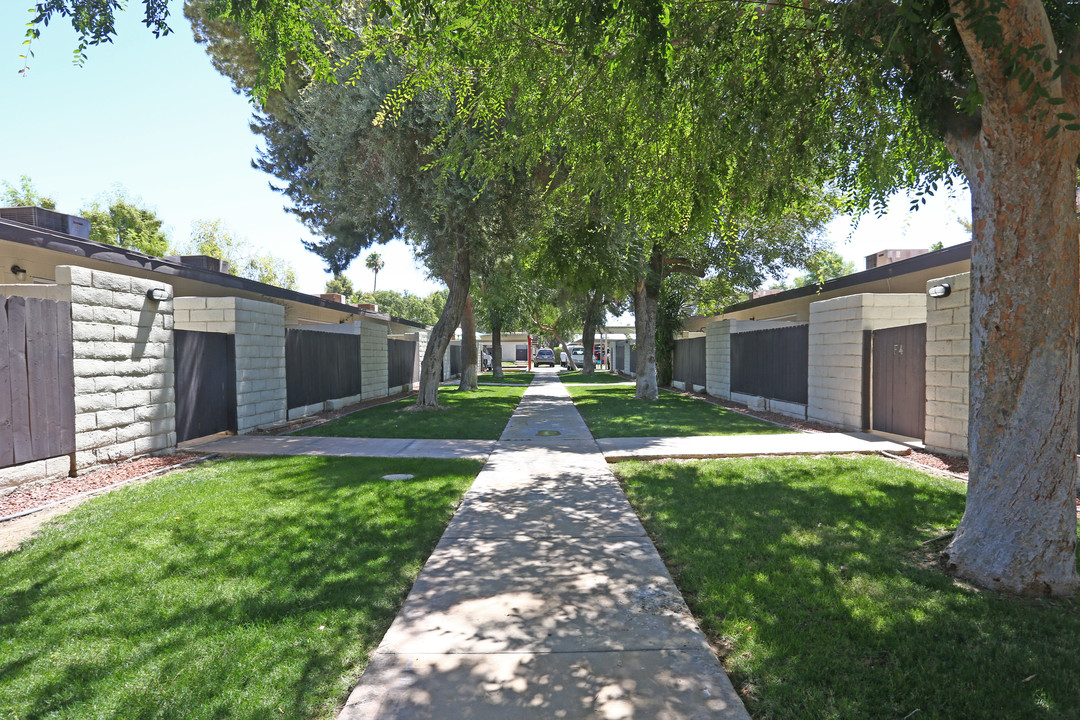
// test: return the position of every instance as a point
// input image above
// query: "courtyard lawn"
(250, 588)
(614, 412)
(516, 378)
(811, 576)
(469, 415)
(598, 376)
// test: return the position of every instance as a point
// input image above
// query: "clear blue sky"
(153, 116)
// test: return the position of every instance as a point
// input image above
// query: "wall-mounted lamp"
(18, 272)
(157, 294)
(939, 291)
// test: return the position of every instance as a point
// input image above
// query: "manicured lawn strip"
(598, 376)
(250, 588)
(517, 378)
(756, 546)
(469, 415)
(614, 412)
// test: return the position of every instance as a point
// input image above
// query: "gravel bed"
(35, 495)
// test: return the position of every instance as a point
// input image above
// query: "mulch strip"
(34, 495)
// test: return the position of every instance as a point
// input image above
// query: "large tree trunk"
(468, 347)
(1018, 532)
(443, 332)
(646, 300)
(588, 333)
(496, 350)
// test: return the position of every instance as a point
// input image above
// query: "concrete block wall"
(835, 377)
(123, 359)
(948, 348)
(374, 372)
(259, 328)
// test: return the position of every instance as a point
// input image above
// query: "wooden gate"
(898, 380)
(401, 362)
(321, 366)
(37, 383)
(205, 383)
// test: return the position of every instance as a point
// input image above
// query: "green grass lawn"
(470, 415)
(615, 412)
(252, 588)
(598, 376)
(756, 546)
(517, 378)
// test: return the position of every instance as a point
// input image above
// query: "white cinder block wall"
(948, 347)
(374, 374)
(123, 359)
(836, 350)
(259, 328)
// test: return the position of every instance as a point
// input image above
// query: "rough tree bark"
(468, 347)
(443, 332)
(570, 364)
(646, 300)
(496, 350)
(1018, 532)
(588, 333)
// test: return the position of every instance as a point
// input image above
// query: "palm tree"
(374, 263)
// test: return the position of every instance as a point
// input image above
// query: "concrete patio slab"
(719, 446)
(685, 684)
(346, 447)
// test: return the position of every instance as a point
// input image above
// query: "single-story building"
(154, 351)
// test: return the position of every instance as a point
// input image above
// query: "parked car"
(544, 356)
(577, 354)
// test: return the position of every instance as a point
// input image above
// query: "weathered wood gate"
(205, 383)
(37, 382)
(401, 356)
(898, 380)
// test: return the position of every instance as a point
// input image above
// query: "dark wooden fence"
(37, 382)
(633, 360)
(688, 362)
(205, 383)
(401, 362)
(620, 357)
(455, 360)
(771, 363)
(320, 366)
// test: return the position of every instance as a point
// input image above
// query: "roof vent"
(202, 262)
(48, 220)
(885, 257)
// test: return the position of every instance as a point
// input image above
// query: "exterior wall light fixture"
(939, 291)
(18, 272)
(157, 294)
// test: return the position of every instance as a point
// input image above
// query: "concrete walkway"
(344, 447)
(544, 598)
(718, 446)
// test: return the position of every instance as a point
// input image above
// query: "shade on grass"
(598, 376)
(615, 412)
(757, 545)
(516, 378)
(251, 588)
(468, 415)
